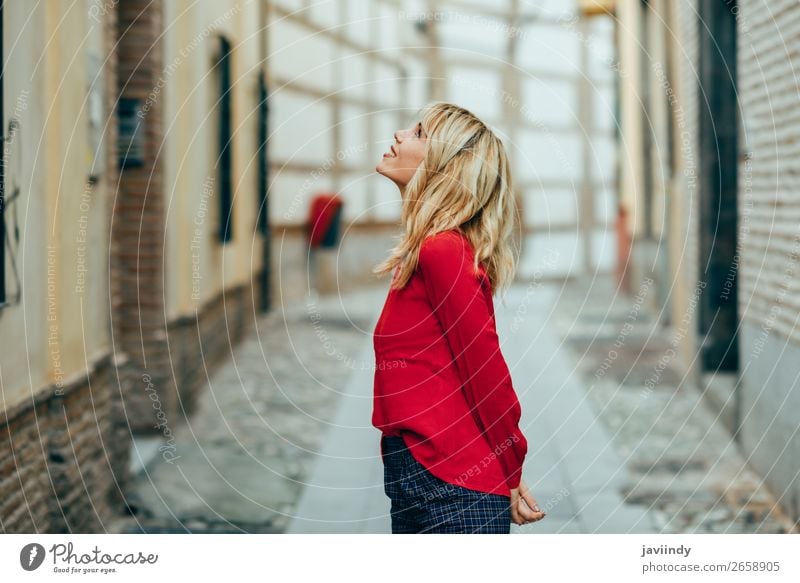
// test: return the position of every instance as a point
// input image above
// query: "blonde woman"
(451, 445)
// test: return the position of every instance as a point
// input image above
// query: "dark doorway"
(717, 180)
(647, 121)
(225, 139)
(263, 185)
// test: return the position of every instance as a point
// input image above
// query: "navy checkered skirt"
(424, 503)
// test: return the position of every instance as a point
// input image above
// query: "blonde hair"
(464, 183)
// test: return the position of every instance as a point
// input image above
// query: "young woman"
(451, 445)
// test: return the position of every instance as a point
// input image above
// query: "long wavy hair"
(463, 182)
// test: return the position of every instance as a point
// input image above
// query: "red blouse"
(441, 381)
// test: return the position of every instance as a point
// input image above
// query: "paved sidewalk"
(682, 463)
(248, 449)
(571, 467)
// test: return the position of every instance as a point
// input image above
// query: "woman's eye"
(419, 132)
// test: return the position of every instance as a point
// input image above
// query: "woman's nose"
(397, 135)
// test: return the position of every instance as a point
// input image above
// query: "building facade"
(707, 165)
(58, 445)
(134, 161)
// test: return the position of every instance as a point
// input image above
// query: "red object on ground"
(441, 381)
(323, 211)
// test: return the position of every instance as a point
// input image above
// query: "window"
(263, 169)
(130, 137)
(669, 71)
(10, 287)
(224, 161)
(647, 128)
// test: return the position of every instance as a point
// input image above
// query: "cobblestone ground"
(681, 462)
(246, 453)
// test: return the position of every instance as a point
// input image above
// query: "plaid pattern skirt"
(423, 503)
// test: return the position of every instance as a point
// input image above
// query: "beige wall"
(197, 265)
(46, 88)
(684, 225)
(631, 156)
(674, 198)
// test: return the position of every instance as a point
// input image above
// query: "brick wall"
(768, 195)
(198, 343)
(769, 226)
(116, 383)
(81, 452)
(138, 224)
(59, 458)
(25, 495)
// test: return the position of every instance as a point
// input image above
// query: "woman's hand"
(524, 508)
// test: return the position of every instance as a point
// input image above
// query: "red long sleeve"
(462, 302)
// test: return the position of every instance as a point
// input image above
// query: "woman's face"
(404, 156)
